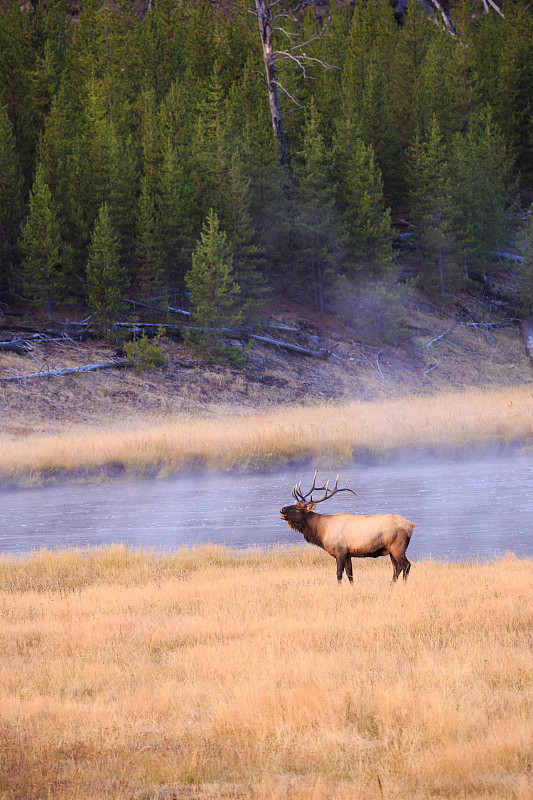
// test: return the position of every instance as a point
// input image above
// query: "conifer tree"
(200, 40)
(526, 294)
(269, 200)
(16, 59)
(149, 272)
(214, 293)
(247, 255)
(480, 181)
(54, 147)
(376, 127)
(172, 225)
(11, 205)
(41, 277)
(122, 169)
(148, 255)
(106, 280)
(406, 68)
(440, 89)
(321, 240)
(430, 190)
(367, 219)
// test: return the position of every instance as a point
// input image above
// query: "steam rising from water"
(480, 505)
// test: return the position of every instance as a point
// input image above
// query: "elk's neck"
(309, 528)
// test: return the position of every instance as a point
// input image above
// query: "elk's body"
(346, 536)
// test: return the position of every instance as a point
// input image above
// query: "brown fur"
(346, 536)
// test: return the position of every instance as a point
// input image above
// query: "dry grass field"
(219, 674)
(257, 439)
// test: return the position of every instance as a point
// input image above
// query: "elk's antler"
(302, 498)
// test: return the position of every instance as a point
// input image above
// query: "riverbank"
(222, 674)
(331, 434)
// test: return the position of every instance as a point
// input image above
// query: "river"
(471, 506)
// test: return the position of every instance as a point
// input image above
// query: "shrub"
(143, 353)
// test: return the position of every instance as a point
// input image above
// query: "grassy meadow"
(211, 673)
(253, 440)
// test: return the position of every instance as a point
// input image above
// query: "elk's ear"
(310, 506)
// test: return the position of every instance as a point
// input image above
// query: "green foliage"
(525, 301)
(165, 116)
(480, 176)
(431, 208)
(106, 280)
(215, 302)
(320, 240)
(11, 205)
(143, 353)
(41, 277)
(367, 219)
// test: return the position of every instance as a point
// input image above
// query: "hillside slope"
(440, 354)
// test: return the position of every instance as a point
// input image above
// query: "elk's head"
(296, 515)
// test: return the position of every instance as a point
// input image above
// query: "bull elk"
(345, 536)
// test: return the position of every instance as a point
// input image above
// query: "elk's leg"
(406, 566)
(341, 561)
(348, 568)
(397, 568)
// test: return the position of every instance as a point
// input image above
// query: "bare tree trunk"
(527, 333)
(264, 17)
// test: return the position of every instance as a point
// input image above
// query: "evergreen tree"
(41, 277)
(247, 255)
(431, 209)
(172, 226)
(55, 146)
(406, 68)
(321, 241)
(149, 273)
(11, 205)
(106, 280)
(442, 89)
(122, 170)
(480, 191)
(16, 62)
(214, 293)
(367, 220)
(376, 128)
(200, 40)
(525, 302)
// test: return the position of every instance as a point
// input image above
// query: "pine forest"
(209, 156)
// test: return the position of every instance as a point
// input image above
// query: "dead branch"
(446, 332)
(430, 369)
(375, 366)
(492, 4)
(445, 18)
(118, 364)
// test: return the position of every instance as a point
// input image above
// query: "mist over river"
(476, 505)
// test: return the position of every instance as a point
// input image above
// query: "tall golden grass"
(258, 439)
(217, 674)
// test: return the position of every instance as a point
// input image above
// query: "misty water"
(475, 506)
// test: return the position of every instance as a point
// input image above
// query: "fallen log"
(14, 346)
(509, 256)
(323, 354)
(118, 364)
(147, 327)
(157, 308)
